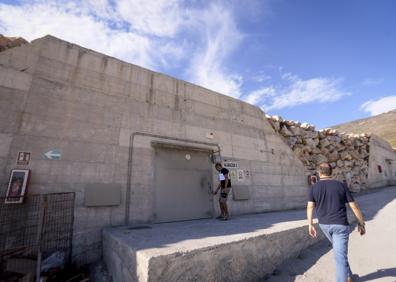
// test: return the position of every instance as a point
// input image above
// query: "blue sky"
(322, 62)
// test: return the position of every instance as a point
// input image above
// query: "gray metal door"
(182, 185)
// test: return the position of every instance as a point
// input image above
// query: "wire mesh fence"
(35, 236)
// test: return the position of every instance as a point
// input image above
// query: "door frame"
(182, 147)
(140, 139)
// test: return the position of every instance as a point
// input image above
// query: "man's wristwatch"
(361, 225)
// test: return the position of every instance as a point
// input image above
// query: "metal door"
(183, 185)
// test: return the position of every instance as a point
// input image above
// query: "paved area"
(165, 238)
(244, 248)
(372, 256)
(247, 247)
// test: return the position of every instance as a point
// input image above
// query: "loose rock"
(346, 153)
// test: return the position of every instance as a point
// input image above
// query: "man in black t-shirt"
(329, 197)
(225, 186)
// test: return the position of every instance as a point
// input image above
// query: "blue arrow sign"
(53, 155)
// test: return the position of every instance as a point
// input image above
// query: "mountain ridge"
(383, 125)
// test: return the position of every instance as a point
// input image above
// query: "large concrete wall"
(381, 154)
(16, 68)
(57, 95)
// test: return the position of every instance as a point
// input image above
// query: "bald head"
(325, 169)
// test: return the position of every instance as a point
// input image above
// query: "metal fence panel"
(34, 233)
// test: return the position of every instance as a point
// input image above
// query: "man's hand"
(359, 216)
(361, 229)
(311, 227)
(312, 231)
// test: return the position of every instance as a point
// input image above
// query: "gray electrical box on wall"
(240, 193)
(99, 195)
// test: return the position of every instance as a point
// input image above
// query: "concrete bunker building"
(138, 146)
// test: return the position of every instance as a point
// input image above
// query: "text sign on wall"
(23, 158)
(228, 164)
(236, 173)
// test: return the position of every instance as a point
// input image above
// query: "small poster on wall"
(233, 175)
(23, 158)
(241, 175)
(17, 186)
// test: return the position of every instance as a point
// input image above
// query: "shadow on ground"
(294, 268)
(380, 273)
(373, 201)
(163, 235)
(170, 233)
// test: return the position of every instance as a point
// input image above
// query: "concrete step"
(245, 248)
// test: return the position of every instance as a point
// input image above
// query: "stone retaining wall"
(348, 154)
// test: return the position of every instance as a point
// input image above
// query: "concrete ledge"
(246, 248)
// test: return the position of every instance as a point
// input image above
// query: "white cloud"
(159, 35)
(220, 37)
(159, 17)
(99, 8)
(172, 53)
(382, 105)
(289, 76)
(259, 94)
(78, 26)
(261, 77)
(300, 92)
(373, 81)
(295, 91)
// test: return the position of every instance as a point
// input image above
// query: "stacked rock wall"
(10, 42)
(348, 154)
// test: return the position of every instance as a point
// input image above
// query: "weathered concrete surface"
(381, 154)
(15, 79)
(87, 106)
(372, 256)
(245, 248)
(57, 95)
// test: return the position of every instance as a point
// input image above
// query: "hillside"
(383, 125)
(10, 42)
